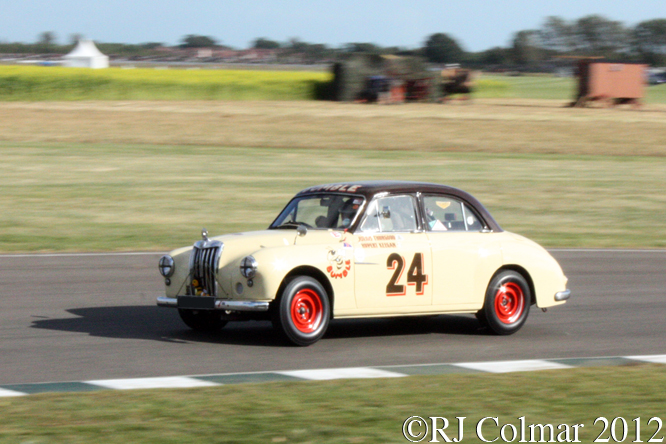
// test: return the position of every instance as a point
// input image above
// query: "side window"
(444, 213)
(472, 221)
(392, 213)
(371, 221)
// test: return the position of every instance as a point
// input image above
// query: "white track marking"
(150, 383)
(6, 393)
(513, 366)
(342, 373)
(655, 359)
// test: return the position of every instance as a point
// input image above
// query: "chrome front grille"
(204, 260)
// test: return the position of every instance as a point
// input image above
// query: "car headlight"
(248, 267)
(167, 266)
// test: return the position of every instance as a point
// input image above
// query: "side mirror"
(386, 212)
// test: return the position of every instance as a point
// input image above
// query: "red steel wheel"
(507, 303)
(306, 310)
(302, 311)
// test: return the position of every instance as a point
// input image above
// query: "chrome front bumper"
(562, 295)
(219, 304)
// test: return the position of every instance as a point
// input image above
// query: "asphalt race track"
(81, 317)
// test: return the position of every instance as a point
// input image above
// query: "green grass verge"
(136, 197)
(345, 411)
(58, 83)
(544, 87)
(526, 87)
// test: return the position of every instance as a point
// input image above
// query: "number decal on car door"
(397, 263)
(415, 275)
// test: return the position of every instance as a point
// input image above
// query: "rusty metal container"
(610, 82)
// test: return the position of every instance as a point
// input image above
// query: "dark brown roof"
(370, 188)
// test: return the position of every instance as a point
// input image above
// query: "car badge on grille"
(204, 234)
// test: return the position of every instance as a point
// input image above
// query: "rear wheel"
(202, 320)
(507, 303)
(303, 311)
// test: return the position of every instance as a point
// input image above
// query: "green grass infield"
(356, 411)
(58, 197)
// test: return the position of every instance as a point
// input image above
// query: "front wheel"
(303, 311)
(202, 320)
(507, 303)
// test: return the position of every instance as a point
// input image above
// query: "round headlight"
(167, 266)
(248, 267)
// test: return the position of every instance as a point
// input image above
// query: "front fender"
(275, 264)
(181, 258)
(545, 272)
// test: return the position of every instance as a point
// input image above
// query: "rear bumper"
(563, 295)
(212, 304)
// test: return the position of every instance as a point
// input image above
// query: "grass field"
(513, 126)
(529, 87)
(61, 197)
(99, 176)
(349, 411)
(545, 87)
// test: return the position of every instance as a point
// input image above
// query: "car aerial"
(364, 249)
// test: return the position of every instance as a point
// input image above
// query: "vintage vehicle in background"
(365, 249)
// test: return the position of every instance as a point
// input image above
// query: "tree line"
(589, 36)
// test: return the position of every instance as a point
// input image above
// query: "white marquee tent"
(86, 55)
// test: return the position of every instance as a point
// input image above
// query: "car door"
(393, 262)
(465, 253)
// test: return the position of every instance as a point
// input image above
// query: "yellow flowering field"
(59, 83)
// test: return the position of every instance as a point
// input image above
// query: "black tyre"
(303, 311)
(507, 303)
(202, 320)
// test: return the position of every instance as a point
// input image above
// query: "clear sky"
(476, 24)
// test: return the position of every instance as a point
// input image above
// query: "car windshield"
(321, 211)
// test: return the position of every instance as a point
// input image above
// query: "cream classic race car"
(365, 249)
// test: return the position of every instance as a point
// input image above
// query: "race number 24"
(415, 275)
